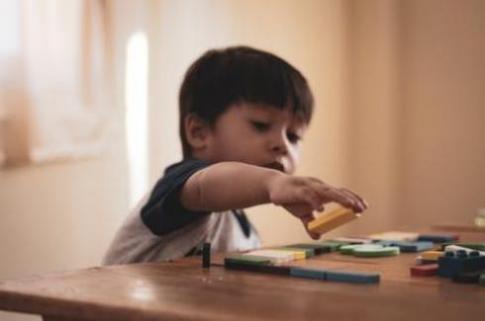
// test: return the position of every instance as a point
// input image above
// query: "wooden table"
(182, 290)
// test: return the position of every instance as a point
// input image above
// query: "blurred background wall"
(400, 112)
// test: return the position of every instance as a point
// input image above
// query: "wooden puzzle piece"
(456, 248)
(337, 276)
(473, 246)
(319, 248)
(367, 250)
(408, 246)
(459, 262)
(352, 277)
(432, 255)
(424, 270)
(332, 220)
(438, 237)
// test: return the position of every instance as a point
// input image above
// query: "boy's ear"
(197, 132)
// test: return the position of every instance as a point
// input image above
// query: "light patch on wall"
(136, 101)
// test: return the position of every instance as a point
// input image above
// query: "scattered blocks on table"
(453, 264)
(334, 219)
(424, 270)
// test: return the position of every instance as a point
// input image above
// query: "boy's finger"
(357, 196)
(358, 201)
(312, 198)
(331, 194)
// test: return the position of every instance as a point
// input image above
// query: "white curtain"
(55, 81)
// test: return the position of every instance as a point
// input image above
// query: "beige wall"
(399, 87)
(442, 111)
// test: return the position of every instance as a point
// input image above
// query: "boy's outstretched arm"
(232, 185)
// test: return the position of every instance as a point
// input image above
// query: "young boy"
(243, 113)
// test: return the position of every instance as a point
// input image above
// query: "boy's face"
(258, 135)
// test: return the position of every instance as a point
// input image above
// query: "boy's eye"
(293, 138)
(260, 126)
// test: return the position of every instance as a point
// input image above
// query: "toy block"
(247, 259)
(369, 250)
(432, 255)
(472, 246)
(438, 238)
(334, 219)
(456, 249)
(206, 255)
(395, 236)
(308, 273)
(352, 240)
(459, 262)
(274, 256)
(270, 269)
(424, 270)
(297, 254)
(316, 247)
(352, 277)
(332, 245)
(375, 250)
(255, 264)
(308, 252)
(408, 246)
(348, 249)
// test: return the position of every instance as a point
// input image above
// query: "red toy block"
(424, 270)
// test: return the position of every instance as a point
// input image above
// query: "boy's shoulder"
(184, 166)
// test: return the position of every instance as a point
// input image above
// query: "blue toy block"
(438, 238)
(352, 277)
(452, 265)
(308, 273)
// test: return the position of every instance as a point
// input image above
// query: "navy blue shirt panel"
(163, 213)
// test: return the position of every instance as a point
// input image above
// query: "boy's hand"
(301, 196)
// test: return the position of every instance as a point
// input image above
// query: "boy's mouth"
(275, 165)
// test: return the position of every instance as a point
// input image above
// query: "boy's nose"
(279, 146)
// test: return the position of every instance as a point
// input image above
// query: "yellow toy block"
(431, 255)
(334, 219)
(297, 255)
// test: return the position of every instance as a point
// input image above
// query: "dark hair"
(220, 78)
